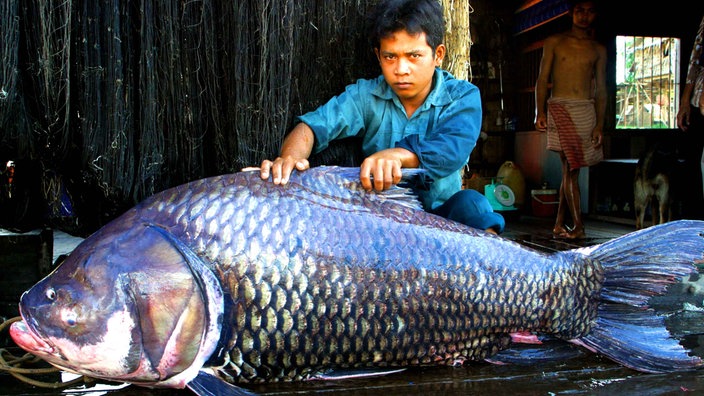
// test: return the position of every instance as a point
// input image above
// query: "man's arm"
(340, 117)
(684, 110)
(452, 135)
(385, 167)
(541, 84)
(442, 151)
(295, 150)
(599, 95)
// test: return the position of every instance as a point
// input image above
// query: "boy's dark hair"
(413, 16)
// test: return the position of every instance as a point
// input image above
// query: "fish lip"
(27, 327)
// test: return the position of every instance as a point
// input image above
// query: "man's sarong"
(571, 123)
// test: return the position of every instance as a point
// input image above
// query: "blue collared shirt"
(442, 132)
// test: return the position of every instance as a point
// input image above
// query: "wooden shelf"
(535, 13)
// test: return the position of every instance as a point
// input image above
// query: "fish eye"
(50, 294)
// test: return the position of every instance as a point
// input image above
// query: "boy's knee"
(473, 209)
(482, 214)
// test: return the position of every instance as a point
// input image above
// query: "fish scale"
(415, 311)
(447, 323)
(264, 282)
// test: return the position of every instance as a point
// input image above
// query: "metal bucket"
(544, 202)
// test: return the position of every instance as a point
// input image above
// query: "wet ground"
(566, 370)
(554, 368)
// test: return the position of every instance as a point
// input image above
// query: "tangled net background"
(106, 102)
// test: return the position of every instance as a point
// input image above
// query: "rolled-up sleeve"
(339, 118)
(447, 146)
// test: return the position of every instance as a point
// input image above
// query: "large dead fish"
(250, 281)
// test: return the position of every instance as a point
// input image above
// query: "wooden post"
(457, 37)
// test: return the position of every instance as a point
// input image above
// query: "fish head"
(128, 304)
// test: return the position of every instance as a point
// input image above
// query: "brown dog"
(652, 185)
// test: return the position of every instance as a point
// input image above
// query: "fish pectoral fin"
(550, 350)
(341, 374)
(207, 384)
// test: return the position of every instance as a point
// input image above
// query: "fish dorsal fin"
(341, 186)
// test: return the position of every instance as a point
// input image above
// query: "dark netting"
(105, 98)
(120, 99)
(9, 38)
(46, 67)
(34, 92)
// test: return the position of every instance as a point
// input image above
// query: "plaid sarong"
(570, 126)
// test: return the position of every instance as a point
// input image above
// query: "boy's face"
(408, 64)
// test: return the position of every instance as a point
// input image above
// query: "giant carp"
(235, 279)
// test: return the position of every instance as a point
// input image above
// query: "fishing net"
(121, 99)
(9, 37)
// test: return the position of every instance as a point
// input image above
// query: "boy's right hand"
(280, 169)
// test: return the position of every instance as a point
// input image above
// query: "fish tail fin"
(638, 266)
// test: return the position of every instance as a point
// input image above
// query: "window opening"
(647, 93)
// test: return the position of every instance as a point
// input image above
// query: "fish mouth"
(26, 337)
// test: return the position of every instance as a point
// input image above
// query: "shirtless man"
(573, 115)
